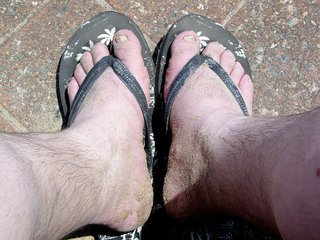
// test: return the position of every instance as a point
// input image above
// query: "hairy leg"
(47, 185)
(264, 170)
(93, 172)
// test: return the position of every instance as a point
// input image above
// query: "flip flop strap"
(127, 78)
(188, 70)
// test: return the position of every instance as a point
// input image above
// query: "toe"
(98, 51)
(246, 88)
(79, 74)
(227, 61)
(127, 49)
(237, 73)
(184, 47)
(86, 62)
(73, 88)
(214, 50)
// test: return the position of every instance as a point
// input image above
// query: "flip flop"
(208, 31)
(102, 28)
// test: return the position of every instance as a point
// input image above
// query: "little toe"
(73, 88)
(246, 88)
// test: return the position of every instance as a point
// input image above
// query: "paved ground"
(281, 39)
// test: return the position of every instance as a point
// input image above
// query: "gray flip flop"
(101, 28)
(208, 31)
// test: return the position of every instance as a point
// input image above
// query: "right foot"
(204, 105)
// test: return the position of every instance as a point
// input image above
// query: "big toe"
(184, 47)
(127, 49)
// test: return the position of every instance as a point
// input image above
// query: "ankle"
(112, 130)
(219, 148)
(215, 127)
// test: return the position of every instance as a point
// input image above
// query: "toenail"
(121, 38)
(189, 38)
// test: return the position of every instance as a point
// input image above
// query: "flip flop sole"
(100, 28)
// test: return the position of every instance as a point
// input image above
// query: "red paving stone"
(13, 14)
(282, 42)
(28, 63)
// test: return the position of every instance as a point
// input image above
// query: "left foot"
(93, 172)
(112, 122)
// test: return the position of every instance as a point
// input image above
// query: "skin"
(93, 172)
(263, 170)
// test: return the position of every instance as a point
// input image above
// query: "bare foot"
(112, 123)
(204, 105)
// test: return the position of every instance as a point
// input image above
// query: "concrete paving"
(281, 39)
